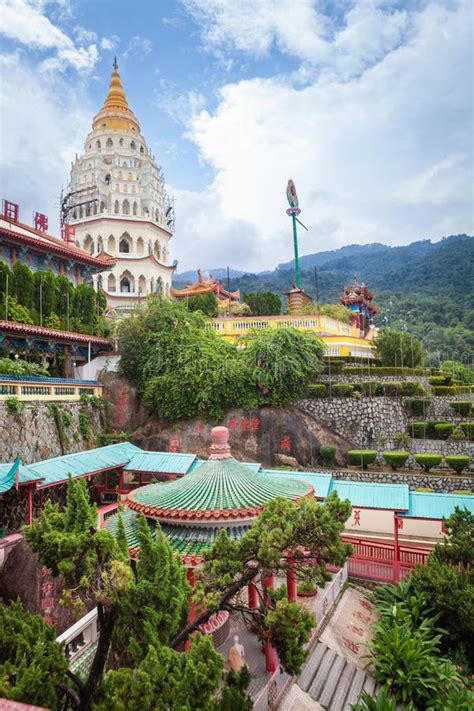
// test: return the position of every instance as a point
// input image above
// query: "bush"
(458, 435)
(440, 379)
(393, 389)
(380, 371)
(468, 429)
(428, 461)
(21, 367)
(418, 407)
(458, 462)
(396, 459)
(410, 387)
(328, 453)
(341, 389)
(14, 406)
(370, 387)
(444, 429)
(362, 457)
(419, 430)
(462, 407)
(316, 390)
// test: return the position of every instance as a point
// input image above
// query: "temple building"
(207, 286)
(117, 205)
(357, 298)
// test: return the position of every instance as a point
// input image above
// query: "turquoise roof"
(394, 497)
(8, 475)
(320, 481)
(253, 466)
(161, 462)
(437, 506)
(57, 470)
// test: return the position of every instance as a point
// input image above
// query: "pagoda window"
(140, 246)
(125, 243)
(97, 145)
(102, 206)
(134, 208)
(111, 244)
(100, 244)
(111, 283)
(157, 250)
(164, 255)
(133, 146)
(94, 208)
(116, 207)
(109, 143)
(74, 215)
(141, 149)
(121, 142)
(142, 285)
(80, 212)
(126, 207)
(89, 244)
(126, 283)
(88, 209)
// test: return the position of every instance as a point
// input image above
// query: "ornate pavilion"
(357, 298)
(207, 286)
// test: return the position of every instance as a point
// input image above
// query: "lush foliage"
(19, 366)
(328, 453)
(458, 370)
(316, 390)
(184, 369)
(428, 461)
(32, 664)
(397, 348)
(362, 457)
(44, 298)
(418, 407)
(396, 459)
(462, 407)
(14, 406)
(206, 303)
(458, 462)
(263, 303)
(382, 702)
(444, 429)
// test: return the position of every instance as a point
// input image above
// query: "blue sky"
(366, 104)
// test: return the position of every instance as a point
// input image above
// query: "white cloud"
(84, 35)
(138, 47)
(385, 156)
(25, 22)
(108, 43)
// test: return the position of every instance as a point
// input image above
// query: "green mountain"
(424, 287)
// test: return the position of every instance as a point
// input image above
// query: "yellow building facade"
(343, 340)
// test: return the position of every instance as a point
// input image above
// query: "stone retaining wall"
(33, 435)
(341, 378)
(439, 483)
(427, 446)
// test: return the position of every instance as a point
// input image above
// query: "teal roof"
(57, 470)
(437, 506)
(161, 462)
(394, 497)
(253, 466)
(318, 480)
(8, 475)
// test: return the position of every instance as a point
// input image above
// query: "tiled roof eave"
(30, 330)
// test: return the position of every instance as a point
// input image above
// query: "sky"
(365, 104)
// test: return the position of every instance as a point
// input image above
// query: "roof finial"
(219, 448)
(115, 65)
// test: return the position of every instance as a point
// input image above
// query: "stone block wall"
(438, 483)
(33, 435)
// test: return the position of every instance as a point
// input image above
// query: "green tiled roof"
(437, 506)
(57, 470)
(320, 482)
(8, 475)
(161, 462)
(183, 539)
(218, 484)
(394, 497)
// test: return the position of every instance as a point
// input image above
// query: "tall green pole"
(295, 244)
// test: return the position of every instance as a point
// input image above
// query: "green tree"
(32, 664)
(206, 303)
(65, 299)
(462, 372)
(23, 284)
(5, 278)
(84, 306)
(45, 293)
(396, 348)
(263, 303)
(280, 362)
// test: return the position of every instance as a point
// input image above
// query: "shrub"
(307, 588)
(443, 429)
(438, 390)
(401, 439)
(84, 425)
(458, 462)
(423, 430)
(440, 379)
(21, 367)
(370, 387)
(342, 389)
(393, 389)
(380, 371)
(428, 461)
(316, 390)
(462, 407)
(468, 429)
(396, 458)
(66, 418)
(328, 453)
(418, 407)
(457, 434)
(93, 400)
(362, 457)
(410, 387)
(14, 406)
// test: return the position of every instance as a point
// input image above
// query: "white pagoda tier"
(117, 204)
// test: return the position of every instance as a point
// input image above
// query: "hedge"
(444, 429)
(451, 389)
(462, 407)
(418, 406)
(428, 461)
(458, 462)
(396, 458)
(440, 380)
(316, 390)
(396, 388)
(468, 429)
(370, 387)
(378, 370)
(362, 457)
(341, 389)
(328, 453)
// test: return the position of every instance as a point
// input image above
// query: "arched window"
(140, 246)
(100, 244)
(142, 149)
(111, 244)
(97, 145)
(121, 142)
(133, 146)
(116, 207)
(109, 143)
(74, 215)
(134, 208)
(126, 283)
(80, 212)
(164, 255)
(89, 244)
(94, 208)
(125, 244)
(142, 285)
(111, 283)
(102, 206)
(159, 286)
(157, 250)
(126, 207)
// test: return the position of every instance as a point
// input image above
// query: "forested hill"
(427, 286)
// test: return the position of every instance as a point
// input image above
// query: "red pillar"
(121, 481)
(291, 587)
(192, 607)
(271, 658)
(396, 550)
(30, 505)
(253, 596)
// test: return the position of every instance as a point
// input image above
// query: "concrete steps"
(333, 681)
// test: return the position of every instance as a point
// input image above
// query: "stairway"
(333, 681)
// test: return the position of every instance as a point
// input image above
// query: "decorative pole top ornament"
(292, 197)
(219, 448)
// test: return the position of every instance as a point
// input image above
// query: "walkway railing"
(80, 640)
(29, 387)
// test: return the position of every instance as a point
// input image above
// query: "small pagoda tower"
(357, 298)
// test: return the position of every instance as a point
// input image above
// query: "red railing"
(377, 561)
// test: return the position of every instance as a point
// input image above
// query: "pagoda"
(358, 299)
(207, 286)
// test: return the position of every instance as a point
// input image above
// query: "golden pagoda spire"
(116, 113)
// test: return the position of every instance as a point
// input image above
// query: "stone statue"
(235, 656)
